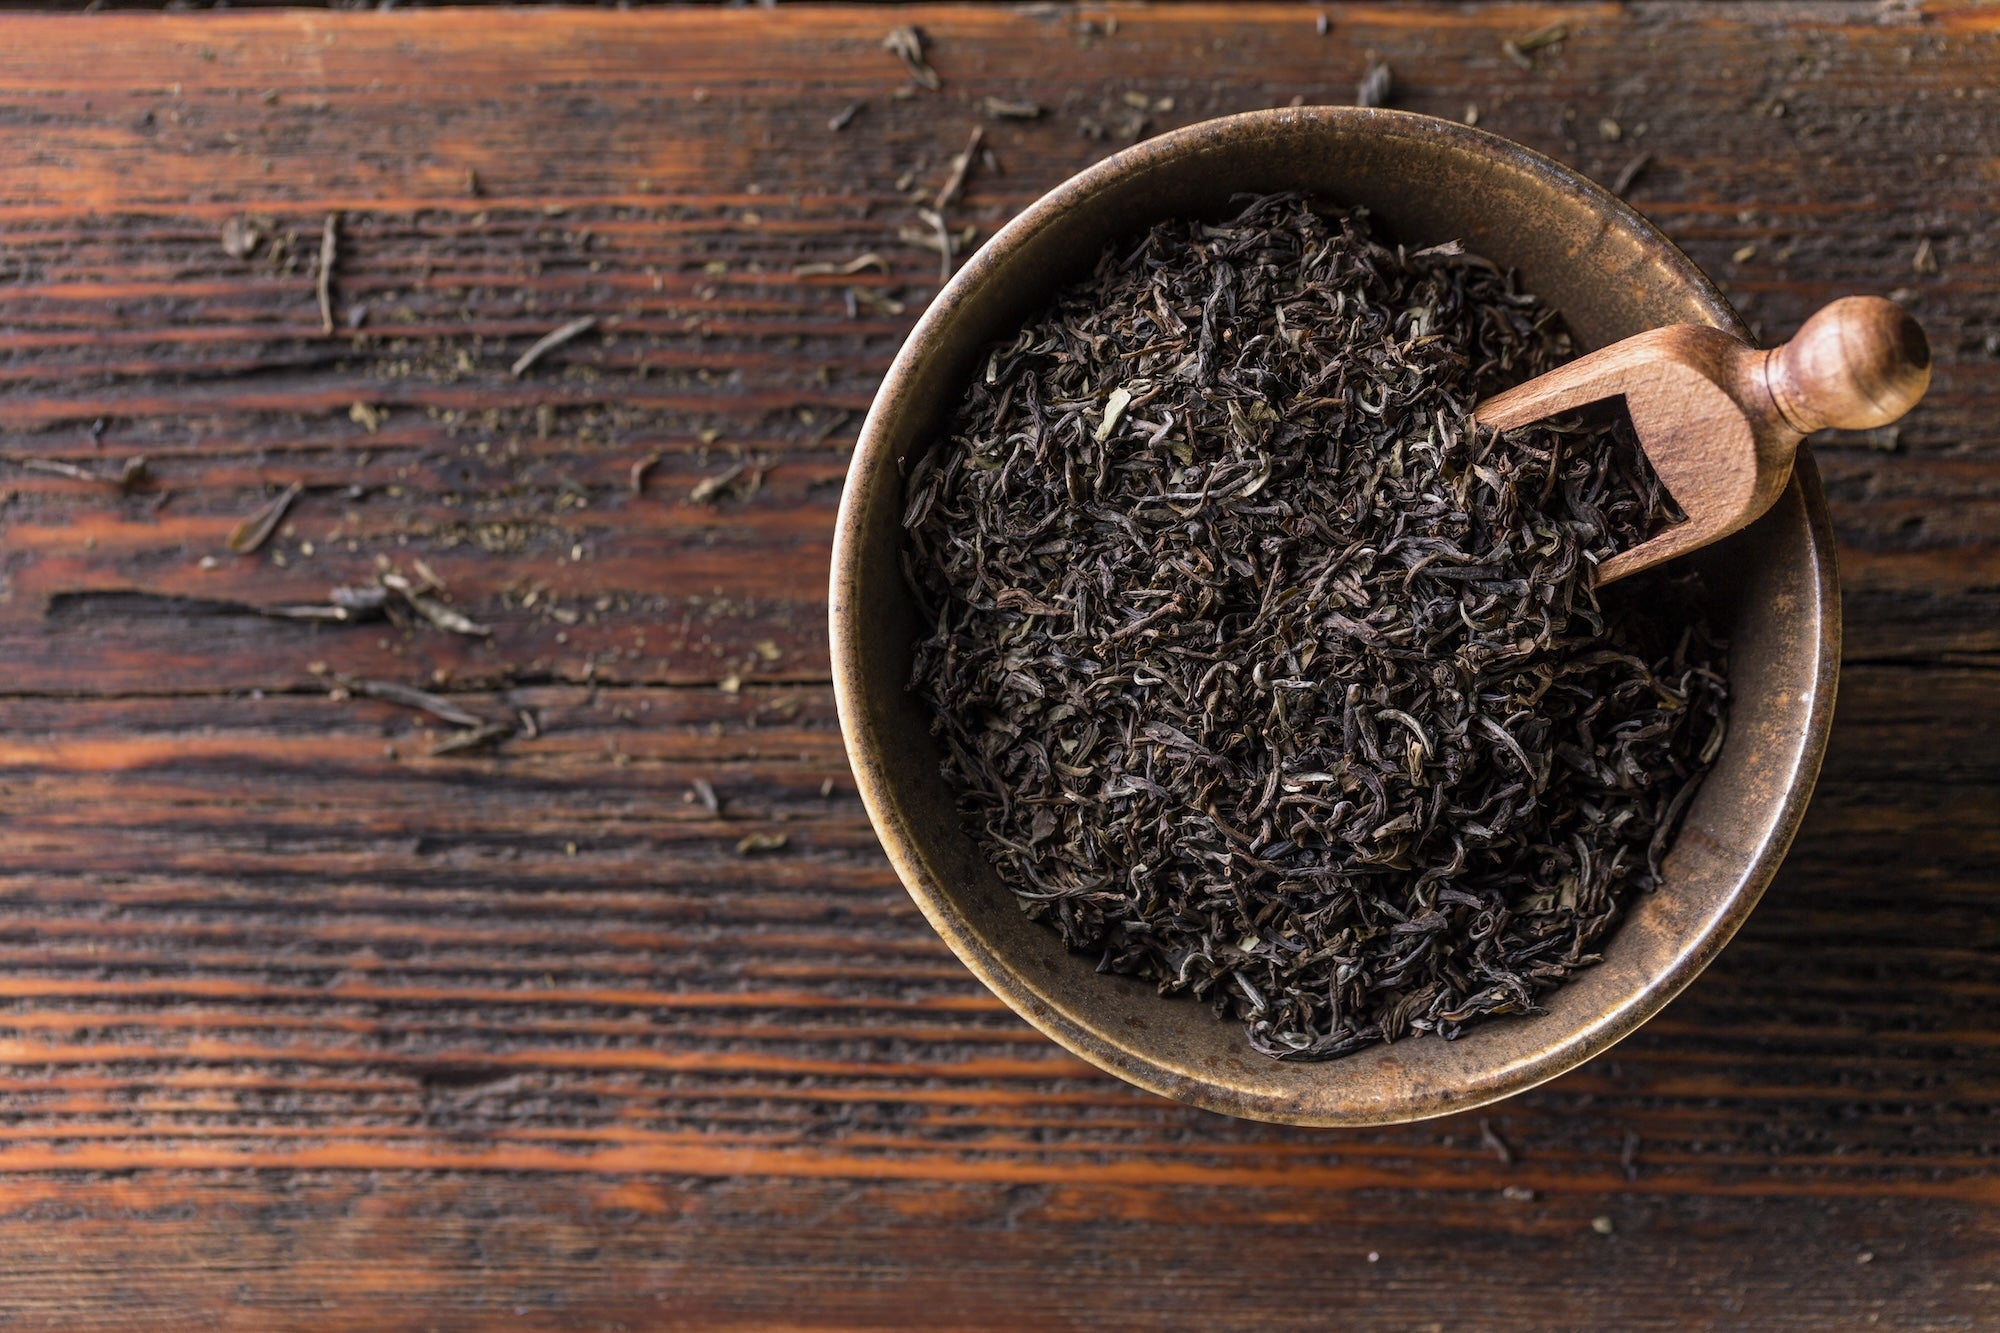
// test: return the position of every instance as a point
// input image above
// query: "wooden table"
(307, 1026)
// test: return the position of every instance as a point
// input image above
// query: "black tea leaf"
(1266, 675)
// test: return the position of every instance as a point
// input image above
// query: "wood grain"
(306, 1027)
(560, 1253)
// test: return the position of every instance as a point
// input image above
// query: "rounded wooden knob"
(1859, 363)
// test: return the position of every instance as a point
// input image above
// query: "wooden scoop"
(1721, 420)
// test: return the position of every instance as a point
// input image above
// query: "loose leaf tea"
(1264, 674)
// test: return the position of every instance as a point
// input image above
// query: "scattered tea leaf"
(711, 489)
(329, 252)
(548, 342)
(366, 598)
(444, 617)
(762, 842)
(640, 469)
(879, 302)
(907, 45)
(1376, 86)
(934, 238)
(944, 241)
(1001, 108)
(845, 270)
(1630, 173)
(367, 417)
(822, 432)
(255, 530)
(478, 738)
(129, 476)
(55, 467)
(704, 792)
(439, 707)
(961, 168)
(241, 236)
(1521, 50)
(335, 615)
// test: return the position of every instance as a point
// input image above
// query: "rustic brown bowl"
(1612, 274)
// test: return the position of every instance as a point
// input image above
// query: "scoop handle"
(1859, 363)
(1721, 420)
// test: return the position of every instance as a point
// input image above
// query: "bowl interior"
(1612, 275)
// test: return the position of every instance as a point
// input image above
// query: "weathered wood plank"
(366, 1251)
(268, 930)
(302, 1025)
(635, 168)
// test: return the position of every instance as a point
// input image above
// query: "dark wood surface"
(306, 1027)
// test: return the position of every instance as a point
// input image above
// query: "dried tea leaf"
(336, 615)
(133, 472)
(478, 738)
(846, 270)
(370, 597)
(1630, 173)
(739, 481)
(329, 252)
(444, 617)
(548, 342)
(1114, 408)
(241, 236)
(55, 467)
(1278, 682)
(436, 705)
(762, 842)
(704, 791)
(1002, 109)
(1521, 50)
(961, 167)
(907, 45)
(1376, 86)
(255, 530)
(879, 302)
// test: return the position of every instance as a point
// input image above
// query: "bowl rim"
(871, 452)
